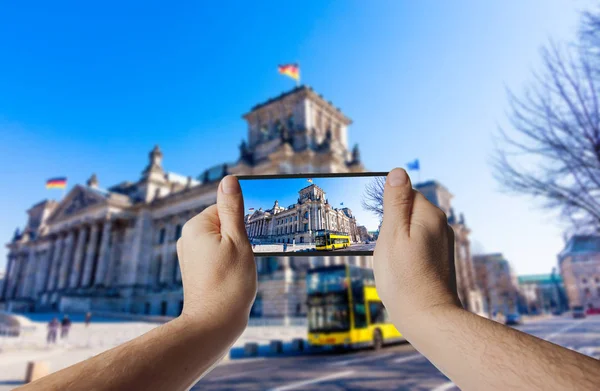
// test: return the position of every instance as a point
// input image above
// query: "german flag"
(56, 183)
(291, 70)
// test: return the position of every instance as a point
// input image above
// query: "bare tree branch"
(373, 197)
(553, 151)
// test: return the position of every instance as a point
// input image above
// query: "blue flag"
(341, 203)
(414, 165)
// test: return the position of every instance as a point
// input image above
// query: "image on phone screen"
(313, 214)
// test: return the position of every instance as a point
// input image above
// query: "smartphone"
(313, 214)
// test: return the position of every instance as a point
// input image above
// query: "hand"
(414, 256)
(217, 263)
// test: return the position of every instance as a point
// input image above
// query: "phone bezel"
(312, 175)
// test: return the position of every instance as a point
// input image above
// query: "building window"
(177, 231)
(587, 291)
(175, 269)
(305, 227)
(598, 291)
(584, 280)
(161, 236)
(597, 279)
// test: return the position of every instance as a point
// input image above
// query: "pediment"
(78, 200)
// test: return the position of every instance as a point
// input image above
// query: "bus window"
(378, 312)
(360, 316)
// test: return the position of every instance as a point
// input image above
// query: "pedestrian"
(88, 318)
(284, 247)
(65, 326)
(416, 281)
(52, 330)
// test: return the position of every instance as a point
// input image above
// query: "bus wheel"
(377, 340)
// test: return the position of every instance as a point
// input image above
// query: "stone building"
(114, 248)
(579, 264)
(468, 290)
(298, 222)
(542, 293)
(498, 283)
(363, 233)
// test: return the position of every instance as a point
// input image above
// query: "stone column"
(113, 258)
(103, 254)
(76, 270)
(7, 277)
(13, 278)
(136, 235)
(166, 269)
(65, 262)
(28, 279)
(55, 267)
(88, 266)
(44, 270)
(320, 212)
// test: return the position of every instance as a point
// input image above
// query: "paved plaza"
(398, 366)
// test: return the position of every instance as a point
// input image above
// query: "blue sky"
(91, 87)
(262, 193)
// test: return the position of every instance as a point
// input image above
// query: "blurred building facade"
(468, 290)
(542, 293)
(579, 264)
(114, 248)
(297, 223)
(498, 283)
(363, 233)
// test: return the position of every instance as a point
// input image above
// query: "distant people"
(65, 326)
(284, 247)
(52, 330)
(88, 318)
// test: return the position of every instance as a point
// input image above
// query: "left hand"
(217, 263)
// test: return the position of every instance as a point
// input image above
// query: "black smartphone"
(313, 214)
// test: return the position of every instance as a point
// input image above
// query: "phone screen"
(313, 214)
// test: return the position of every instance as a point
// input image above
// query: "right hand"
(414, 256)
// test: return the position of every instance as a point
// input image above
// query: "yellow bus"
(331, 240)
(344, 310)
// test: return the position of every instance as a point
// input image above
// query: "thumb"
(230, 206)
(398, 198)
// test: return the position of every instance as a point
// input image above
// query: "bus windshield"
(320, 240)
(328, 312)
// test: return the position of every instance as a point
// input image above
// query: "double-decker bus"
(344, 310)
(330, 240)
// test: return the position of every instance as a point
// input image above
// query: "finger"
(205, 222)
(230, 205)
(397, 201)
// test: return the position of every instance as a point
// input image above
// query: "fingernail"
(397, 177)
(230, 185)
